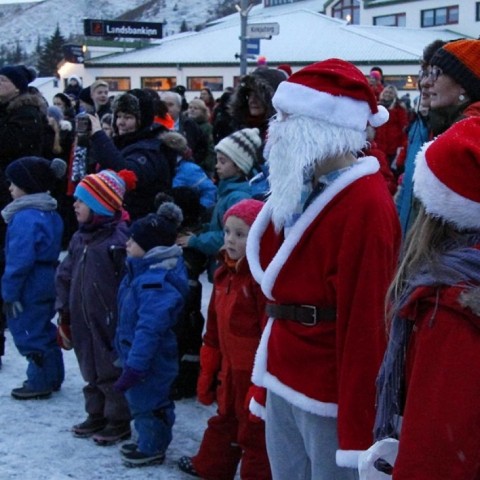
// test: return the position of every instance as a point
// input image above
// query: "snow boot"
(112, 433)
(27, 393)
(87, 428)
(185, 465)
(135, 458)
(128, 447)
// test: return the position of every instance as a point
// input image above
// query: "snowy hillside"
(26, 23)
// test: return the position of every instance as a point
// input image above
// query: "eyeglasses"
(432, 73)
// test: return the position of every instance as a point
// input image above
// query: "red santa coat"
(440, 437)
(341, 253)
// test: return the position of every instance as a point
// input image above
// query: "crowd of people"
(337, 224)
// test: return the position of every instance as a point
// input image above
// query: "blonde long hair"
(422, 246)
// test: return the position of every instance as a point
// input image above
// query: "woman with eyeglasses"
(453, 80)
(418, 132)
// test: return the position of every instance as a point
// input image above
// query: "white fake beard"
(295, 146)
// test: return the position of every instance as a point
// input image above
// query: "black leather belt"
(308, 315)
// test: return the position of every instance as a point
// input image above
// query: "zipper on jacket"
(104, 304)
(82, 278)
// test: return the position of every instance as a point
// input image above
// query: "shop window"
(159, 83)
(215, 84)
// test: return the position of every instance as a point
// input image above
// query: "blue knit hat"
(19, 75)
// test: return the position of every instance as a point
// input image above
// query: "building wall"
(467, 25)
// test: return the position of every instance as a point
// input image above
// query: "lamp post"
(243, 9)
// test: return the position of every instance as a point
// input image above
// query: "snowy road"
(36, 442)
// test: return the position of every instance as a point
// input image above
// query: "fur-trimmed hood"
(26, 99)
(263, 82)
(174, 140)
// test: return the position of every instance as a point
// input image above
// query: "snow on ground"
(36, 442)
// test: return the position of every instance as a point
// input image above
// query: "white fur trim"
(296, 99)
(262, 378)
(253, 242)
(363, 167)
(379, 118)
(307, 404)
(439, 200)
(257, 409)
(348, 458)
(260, 362)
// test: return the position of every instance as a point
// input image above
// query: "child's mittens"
(64, 334)
(255, 402)
(210, 362)
(128, 379)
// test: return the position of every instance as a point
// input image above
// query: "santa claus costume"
(428, 385)
(324, 253)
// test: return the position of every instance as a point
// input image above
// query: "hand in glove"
(255, 402)
(210, 362)
(128, 379)
(12, 309)
(64, 334)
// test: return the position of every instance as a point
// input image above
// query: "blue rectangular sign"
(253, 46)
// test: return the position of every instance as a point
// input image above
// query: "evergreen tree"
(51, 54)
(14, 56)
(183, 26)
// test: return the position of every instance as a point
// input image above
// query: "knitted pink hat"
(247, 210)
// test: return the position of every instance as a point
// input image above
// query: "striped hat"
(459, 60)
(241, 148)
(103, 192)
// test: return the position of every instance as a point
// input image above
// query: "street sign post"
(262, 30)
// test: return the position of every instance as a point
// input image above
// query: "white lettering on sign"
(131, 31)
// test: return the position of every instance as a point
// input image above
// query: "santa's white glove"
(380, 454)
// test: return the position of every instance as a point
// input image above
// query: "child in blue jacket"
(32, 248)
(150, 299)
(236, 155)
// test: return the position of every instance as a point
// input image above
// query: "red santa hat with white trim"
(334, 91)
(447, 175)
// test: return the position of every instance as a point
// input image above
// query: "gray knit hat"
(241, 148)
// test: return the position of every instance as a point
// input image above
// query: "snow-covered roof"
(40, 81)
(305, 36)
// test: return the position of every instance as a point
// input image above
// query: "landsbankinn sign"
(111, 28)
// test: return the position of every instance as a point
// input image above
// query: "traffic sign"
(262, 30)
(253, 46)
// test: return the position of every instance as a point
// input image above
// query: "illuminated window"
(117, 84)
(440, 16)
(159, 83)
(395, 20)
(215, 84)
(402, 82)
(347, 10)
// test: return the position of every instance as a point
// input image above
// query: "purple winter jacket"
(87, 282)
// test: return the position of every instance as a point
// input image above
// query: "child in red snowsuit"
(235, 322)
